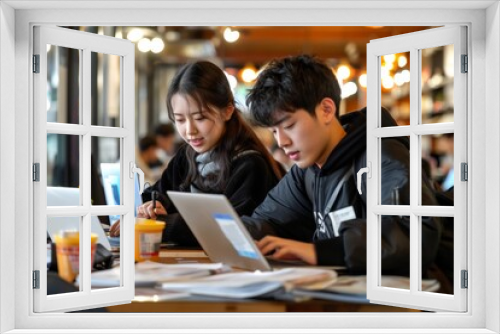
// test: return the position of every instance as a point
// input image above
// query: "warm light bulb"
(144, 45)
(248, 75)
(406, 75)
(398, 79)
(387, 82)
(362, 80)
(157, 45)
(343, 72)
(389, 59)
(135, 34)
(349, 89)
(402, 61)
(230, 35)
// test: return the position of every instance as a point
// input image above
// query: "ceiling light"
(343, 72)
(230, 35)
(362, 80)
(390, 58)
(402, 61)
(135, 34)
(144, 45)
(157, 45)
(248, 74)
(387, 82)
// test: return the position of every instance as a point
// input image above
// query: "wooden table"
(196, 304)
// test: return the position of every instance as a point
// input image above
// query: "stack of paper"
(353, 288)
(254, 284)
(152, 273)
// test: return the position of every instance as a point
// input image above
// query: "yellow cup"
(147, 239)
(68, 253)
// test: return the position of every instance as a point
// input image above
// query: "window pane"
(106, 160)
(63, 167)
(105, 91)
(63, 85)
(395, 167)
(395, 86)
(442, 269)
(63, 239)
(395, 257)
(437, 84)
(437, 165)
(100, 262)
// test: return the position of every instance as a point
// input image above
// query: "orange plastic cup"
(68, 253)
(148, 239)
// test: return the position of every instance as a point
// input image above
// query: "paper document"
(152, 273)
(253, 284)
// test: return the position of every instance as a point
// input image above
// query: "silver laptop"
(219, 230)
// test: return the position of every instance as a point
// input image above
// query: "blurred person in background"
(166, 139)
(222, 154)
(147, 159)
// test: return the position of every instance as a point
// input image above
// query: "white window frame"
(414, 43)
(483, 20)
(85, 43)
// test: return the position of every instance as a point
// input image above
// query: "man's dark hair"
(165, 130)
(289, 84)
(147, 142)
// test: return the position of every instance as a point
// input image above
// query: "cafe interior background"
(241, 52)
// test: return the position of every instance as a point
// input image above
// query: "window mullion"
(414, 170)
(85, 186)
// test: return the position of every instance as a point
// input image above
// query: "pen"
(154, 196)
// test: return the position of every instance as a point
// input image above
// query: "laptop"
(111, 183)
(220, 232)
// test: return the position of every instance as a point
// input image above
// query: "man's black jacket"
(323, 206)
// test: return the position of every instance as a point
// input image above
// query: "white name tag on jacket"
(340, 216)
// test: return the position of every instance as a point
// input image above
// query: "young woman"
(222, 154)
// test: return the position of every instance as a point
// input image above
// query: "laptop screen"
(111, 183)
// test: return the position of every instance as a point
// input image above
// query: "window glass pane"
(395, 86)
(437, 84)
(63, 169)
(106, 187)
(63, 84)
(100, 262)
(395, 260)
(442, 270)
(105, 91)
(395, 167)
(437, 165)
(64, 265)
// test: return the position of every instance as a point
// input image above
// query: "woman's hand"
(144, 211)
(286, 249)
(147, 211)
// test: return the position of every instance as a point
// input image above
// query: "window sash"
(86, 43)
(413, 43)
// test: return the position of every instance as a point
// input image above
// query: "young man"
(315, 213)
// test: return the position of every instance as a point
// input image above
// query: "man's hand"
(286, 249)
(144, 211)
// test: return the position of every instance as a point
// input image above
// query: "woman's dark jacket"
(251, 178)
(324, 206)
